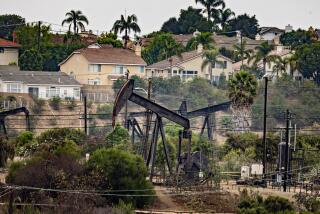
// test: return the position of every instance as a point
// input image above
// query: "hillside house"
(44, 85)
(9, 52)
(189, 65)
(103, 64)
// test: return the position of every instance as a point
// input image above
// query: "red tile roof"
(8, 44)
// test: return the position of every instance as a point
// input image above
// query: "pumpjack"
(125, 94)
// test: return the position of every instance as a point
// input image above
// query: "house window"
(225, 63)
(76, 92)
(120, 69)
(95, 81)
(141, 69)
(1, 50)
(189, 74)
(52, 92)
(94, 68)
(220, 65)
(72, 75)
(14, 87)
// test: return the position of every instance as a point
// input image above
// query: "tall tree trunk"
(209, 13)
(264, 66)
(210, 72)
(126, 39)
(74, 27)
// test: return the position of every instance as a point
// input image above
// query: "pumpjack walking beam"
(206, 113)
(4, 114)
(126, 93)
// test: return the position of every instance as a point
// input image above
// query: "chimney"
(14, 37)
(59, 80)
(258, 37)
(200, 48)
(137, 49)
(288, 29)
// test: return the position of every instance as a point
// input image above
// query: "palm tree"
(205, 39)
(210, 59)
(280, 65)
(211, 6)
(75, 19)
(224, 16)
(126, 25)
(242, 52)
(293, 63)
(242, 89)
(262, 53)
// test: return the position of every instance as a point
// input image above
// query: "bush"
(122, 171)
(104, 111)
(7, 151)
(24, 138)
(38, 105)
(118, 136)
(55, 102)
(70, 103)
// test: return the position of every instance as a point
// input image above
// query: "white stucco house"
(44, 85)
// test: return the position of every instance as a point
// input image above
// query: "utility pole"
(145, 152)
(39, 35)
(126, 106)
(85, 115)
(265, 126)
(286, 168)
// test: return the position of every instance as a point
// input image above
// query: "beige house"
(102, 64)
(189, 65)
(9, 52)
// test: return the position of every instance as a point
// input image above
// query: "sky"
(151, 14)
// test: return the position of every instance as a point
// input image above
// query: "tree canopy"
(188, 22)
(248, 25)
(9, 23)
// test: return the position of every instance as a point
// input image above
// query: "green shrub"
(24, 138)
(55, 102)
(122, 171)
(7, 151)
(118, 136)
(70, 103)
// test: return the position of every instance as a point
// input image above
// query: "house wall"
(269, 36)
(9, 55)
(64, 91)
(78, 67)
(194, 65)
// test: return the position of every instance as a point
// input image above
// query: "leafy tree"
(248, 26)
(31, 60)
(75, 19)
(171, 26)
(262, 53)
(27, 35)
(242, 89)
(55, 102)
(308, 61)
(210, 59)
(110, 39)
(10, 22)
(189, 21)
(138, 83)
(119, 135)
(211, 6)
(122, 171)
(296, 38)
(166, 86)
(126, 25)
(228, 53)
(162, 47)
(204, 39)
(224, 17)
